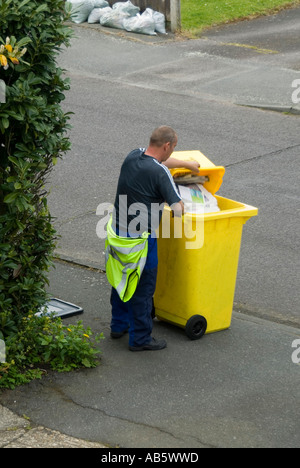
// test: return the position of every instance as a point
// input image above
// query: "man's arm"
(173, 163)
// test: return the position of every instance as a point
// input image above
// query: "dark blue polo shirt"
(144, 186)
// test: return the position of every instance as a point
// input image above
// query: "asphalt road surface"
(123, 86)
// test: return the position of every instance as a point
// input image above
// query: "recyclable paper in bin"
(197, 199)
(60, 308)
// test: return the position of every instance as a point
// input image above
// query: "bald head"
(162, 143)
(163, 135)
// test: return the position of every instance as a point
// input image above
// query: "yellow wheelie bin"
(198, 259)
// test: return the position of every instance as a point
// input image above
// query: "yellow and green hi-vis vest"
(125, 261)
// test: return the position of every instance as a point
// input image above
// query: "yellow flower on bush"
(3, 61)
(9, 47)
(10, 52)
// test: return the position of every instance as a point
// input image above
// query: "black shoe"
(116, 335)
(154, 345)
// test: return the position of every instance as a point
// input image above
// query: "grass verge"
(198, 15)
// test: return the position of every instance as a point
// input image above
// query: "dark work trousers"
(136, 314)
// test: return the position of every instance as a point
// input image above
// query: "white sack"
(126, 7)
(140, 24)
(114, 19)
(80, 10)
(96, 14)
(159, 20)
(100, 3)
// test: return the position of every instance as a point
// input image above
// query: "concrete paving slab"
(10, 421)
(17, 432)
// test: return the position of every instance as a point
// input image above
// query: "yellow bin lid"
(207, 168)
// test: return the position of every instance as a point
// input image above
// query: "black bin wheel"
(196, 327)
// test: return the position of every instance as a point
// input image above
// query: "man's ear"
(167, 146)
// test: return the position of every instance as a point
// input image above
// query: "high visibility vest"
(125, 259)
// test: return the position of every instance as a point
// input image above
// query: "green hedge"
(32, 137)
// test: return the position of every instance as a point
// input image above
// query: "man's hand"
(193, 166)
(177, 209)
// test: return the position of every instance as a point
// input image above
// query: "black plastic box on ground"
(59, 308)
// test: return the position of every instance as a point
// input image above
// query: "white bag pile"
(158, 18)
(123, 15)
(81, 9)
(96, 14)
(114, 19)
(126, 7)
(142, 24)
